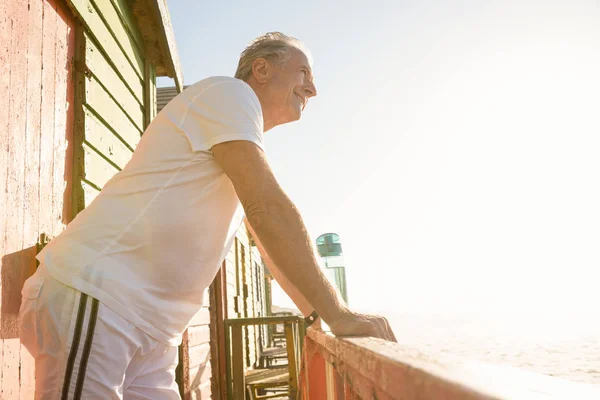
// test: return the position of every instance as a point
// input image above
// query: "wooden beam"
(292, 360)
(237, 361)
(155, 24)
(149, 92)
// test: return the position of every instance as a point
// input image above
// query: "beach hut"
(78, 85)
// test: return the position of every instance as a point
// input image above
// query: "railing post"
(237, 344)
(291, 353)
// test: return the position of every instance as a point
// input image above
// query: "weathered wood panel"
(199, 334)
(126, 97)
(63, 117)
(149, 93)
(126, 42)
(32, 164)
(12, 263)
(126, 15)
(99, 136)
(89, 192)
(121, 124)
(101, 32)
(201, 318)
(98, 170)
(199, 355)
(35, 121)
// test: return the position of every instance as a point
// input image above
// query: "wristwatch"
(311, 318)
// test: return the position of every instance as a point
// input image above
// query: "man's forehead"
(302, 58)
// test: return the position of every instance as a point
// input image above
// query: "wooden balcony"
(367, 368)
(280, 379)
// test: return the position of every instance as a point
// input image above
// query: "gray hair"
(272, 46)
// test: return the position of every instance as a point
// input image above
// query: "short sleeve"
(222, 111)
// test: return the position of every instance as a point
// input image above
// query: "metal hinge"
(41, 243)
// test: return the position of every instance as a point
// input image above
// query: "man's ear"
(261, 70)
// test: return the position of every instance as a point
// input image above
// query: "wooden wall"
(36, 121)
(115, 92)
(195, 353)
(235, 293)
(243, 265)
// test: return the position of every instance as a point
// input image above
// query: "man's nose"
(310, 89)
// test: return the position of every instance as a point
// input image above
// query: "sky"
(453, 145)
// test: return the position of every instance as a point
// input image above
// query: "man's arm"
(303, 305)
(277, 224)
(279, 227)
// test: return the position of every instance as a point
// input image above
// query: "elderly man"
(105, 311)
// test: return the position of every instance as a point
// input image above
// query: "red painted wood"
(47, 121)
(5, 30)
(12, 262)
(32, 175)
(35, 76)
(65, 42)
(68, 16)
(315, 372)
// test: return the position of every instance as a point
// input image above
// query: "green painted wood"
(123, 7)
(78, 196)
(133, 52)
(292, 360)
(264, 320)
(237, 362)
(104, 141)
(130, 94)
(149, 92)
(102, 104)
(89, 193)
(98, 29)
(97, 169)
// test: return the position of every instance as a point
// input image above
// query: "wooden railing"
(367, 368)
(294, 328)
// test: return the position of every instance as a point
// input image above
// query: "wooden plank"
(291, 356)
(201, 318)
(202, 392)
(114, 23)
(32, 134)
(12, 215)
(66, 14)
(120, 90)
(103, 140)
(199, 355)
(78, 194)
(149, 93)
(96, 26)
(5, 38)
(47, 118)
(198, 335)
(126, 15)
(90, 193)
(237, 362)
(100, 102)
(64, 40)
(101, 66)
(200, 374)
(98, 170)
(32, 173)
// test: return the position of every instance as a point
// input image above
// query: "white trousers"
(84, 350)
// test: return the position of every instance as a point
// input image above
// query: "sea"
(565, 346)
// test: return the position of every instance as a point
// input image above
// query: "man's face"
(290, 87)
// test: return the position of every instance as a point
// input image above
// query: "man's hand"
(355, 324)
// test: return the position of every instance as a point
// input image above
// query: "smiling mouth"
(302, 101)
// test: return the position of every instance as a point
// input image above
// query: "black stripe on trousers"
(75, 347)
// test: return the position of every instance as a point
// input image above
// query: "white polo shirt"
(154, 238)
